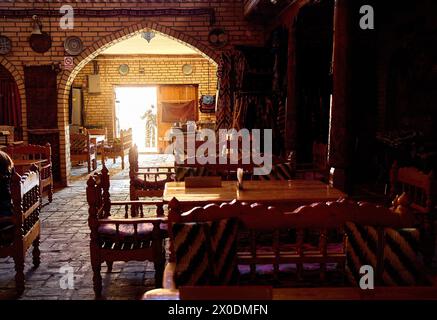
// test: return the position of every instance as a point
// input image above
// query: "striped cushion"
(223, 235)
(280, 171)
(393, 254)
(361, 250)
(206, 253)
(401, 264)
(182, 172)
(192, 254)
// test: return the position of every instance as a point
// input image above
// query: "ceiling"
(158, 45)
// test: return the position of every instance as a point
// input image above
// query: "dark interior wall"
(394, 72)
(314, 39)
(407, 53)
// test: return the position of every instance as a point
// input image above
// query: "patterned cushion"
(192, 254)
(144, 230)
(182, 172)
(149, 185)
(223, 236)
(206, 253)
(280, 171)
(362, 249)
(393, 254)
(401, 264)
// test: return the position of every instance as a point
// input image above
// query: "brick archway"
(15, 73)
(67, 77)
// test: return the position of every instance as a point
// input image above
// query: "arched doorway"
(67, 77)
(10, 103)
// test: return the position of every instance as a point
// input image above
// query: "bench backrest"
(79, 142)
(420, 187)
(30, 152)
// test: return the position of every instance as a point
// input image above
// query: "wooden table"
(341, 293)
(5, 134)
(99, 138)
(286, 195)
(21, 165)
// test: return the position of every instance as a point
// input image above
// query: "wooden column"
(291, 116)
(339, 135)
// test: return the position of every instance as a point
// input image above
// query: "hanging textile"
(230, 76)
(10, 103)
(179, 111)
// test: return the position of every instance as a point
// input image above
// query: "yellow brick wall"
(162, 69)
(100, 32)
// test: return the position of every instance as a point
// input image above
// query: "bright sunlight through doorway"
(136, 108)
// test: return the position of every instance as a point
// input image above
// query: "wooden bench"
(121, 238)
(120, 146)
(317, 220)
(22, 229)
(82, 149)
(36, 152)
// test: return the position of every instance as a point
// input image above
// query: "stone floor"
(65, 243)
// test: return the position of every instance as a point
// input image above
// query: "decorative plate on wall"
(40, 42)
(218, 37)
(123, 69)
(187, 69)
(5, 45)
(73, 45)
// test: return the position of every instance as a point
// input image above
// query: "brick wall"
(97, 33)
(158, 69)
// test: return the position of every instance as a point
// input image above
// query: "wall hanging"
(73, 45)
(39, 41)
(5, 45)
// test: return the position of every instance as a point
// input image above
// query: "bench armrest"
(168, 278)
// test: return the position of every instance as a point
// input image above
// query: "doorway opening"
(136, 108)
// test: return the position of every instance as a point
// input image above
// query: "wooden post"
(339, 135)
(291, 107)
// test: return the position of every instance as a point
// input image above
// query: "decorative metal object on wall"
(218, 37)
(39, 41)
(148, 35)
(123, 69)
(5, 45)
(207, 103)
(73, 45)
(187, 69)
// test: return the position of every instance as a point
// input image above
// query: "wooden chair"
(10, 137)
(421, 189)
(22, 229)
(98, 137)
(82, 149)
(120, 147)
(121, 239)
(36, 152)
(147, 181)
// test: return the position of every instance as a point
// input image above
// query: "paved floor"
(65, 246)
